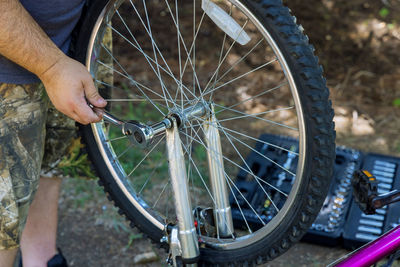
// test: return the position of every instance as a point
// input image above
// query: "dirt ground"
(91, 233)
(358, 43)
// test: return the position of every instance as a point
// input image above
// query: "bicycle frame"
(371, 252)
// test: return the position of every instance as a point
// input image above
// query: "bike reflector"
(225, 22)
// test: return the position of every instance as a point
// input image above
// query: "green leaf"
(384, 12)
(133, 237)
(396, 102)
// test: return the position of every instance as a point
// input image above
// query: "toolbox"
(340, 221)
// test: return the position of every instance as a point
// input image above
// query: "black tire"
(319, 130)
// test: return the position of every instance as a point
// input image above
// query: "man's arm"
(67, 82)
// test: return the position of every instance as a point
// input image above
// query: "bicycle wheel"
(250, 63)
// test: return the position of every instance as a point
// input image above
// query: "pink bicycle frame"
(372, 252)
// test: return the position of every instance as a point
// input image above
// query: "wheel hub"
(199, 110)
(142, 135)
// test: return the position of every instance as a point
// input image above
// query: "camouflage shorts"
(29, 125)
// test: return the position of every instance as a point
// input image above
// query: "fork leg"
(187, 231)
(222, 209)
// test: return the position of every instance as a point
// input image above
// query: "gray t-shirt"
(57, 18)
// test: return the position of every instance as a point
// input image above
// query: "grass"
(396, 102)
(75, 163)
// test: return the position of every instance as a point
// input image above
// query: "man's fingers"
(99, 111)
(85, 113)
(92, 95)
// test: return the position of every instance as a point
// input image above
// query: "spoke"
(258, 140)
(147, 154)
(239, 77)
(223, 108)
(220, 58)
(256, 114)
(191, 141)
(240, 209)
(255, 176)
(251, 172)
(262, 155)
(153, 44)
(114, 59)
(191, 159)
(149, 176)
(164, 89)
(203, 93)
(148, 58)
(136, 85)
(205, 185)
(245, 199)
(141, 98)
(262, 119)
(237, 165)
(250, 98)
(197, 170)
(179, 53)
(115, 139)
(239, 60)
(123, 152)
(229, 179)
(159, 197)
(129, 76)
(111, 68)
(126, 73)
(184, 46)
(193, 46)
(226, 55)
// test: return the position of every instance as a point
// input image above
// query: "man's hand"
(69, 87)
(67, 82)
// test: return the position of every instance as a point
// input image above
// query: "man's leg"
(22, 120)
(38, 243)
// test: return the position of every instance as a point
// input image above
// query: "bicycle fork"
(222, 209)
(187, 244)
(183, 239)
(186, 231)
